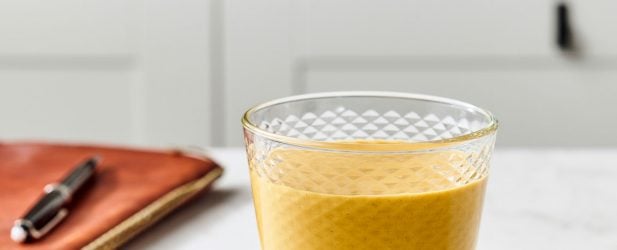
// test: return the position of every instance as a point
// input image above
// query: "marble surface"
(536, 199)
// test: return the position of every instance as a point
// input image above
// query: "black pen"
(50, 209)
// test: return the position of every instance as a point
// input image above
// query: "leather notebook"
(131, 189)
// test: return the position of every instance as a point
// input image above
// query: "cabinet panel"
(106, 71)
(415, 27)
(521, 28)
(67, 105)
(544, 108)
(593, 27)
(69, 27)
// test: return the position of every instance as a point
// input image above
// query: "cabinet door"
(106, 71)
(534, 108)
(425, 28)
(501, 55)
(523, 29)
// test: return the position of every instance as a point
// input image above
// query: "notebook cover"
(132, 189)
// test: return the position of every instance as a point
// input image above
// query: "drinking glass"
(368, 170)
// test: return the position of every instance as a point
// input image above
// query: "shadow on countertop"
(204, 208)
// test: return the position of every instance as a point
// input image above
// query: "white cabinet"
(535, 108)
(182, 72)
(501, 55)
(105, 71)
(424, 28)
(445, 28)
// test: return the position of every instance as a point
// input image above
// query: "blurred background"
(182, 72)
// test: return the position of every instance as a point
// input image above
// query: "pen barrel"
(45, 209)
(79, 176)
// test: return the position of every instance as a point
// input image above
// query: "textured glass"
(450, 139)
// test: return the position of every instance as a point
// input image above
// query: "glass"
(368, 170)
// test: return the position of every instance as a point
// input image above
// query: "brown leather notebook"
(132, 189)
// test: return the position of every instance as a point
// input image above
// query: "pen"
(50, 209)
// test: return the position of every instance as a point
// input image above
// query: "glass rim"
(431, 145)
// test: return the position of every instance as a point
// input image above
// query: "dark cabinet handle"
(564, 31)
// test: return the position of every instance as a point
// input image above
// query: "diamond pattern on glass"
(363, 173)
(347, 124)
(457, 166)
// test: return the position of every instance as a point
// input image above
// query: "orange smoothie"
(331, 200)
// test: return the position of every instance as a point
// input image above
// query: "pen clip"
(36, 233)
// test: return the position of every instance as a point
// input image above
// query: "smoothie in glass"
(327, 200)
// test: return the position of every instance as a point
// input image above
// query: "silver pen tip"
(97, 159)
(18, 234)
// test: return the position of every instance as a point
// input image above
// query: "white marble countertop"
(536, 199)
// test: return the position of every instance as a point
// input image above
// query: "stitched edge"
(150, 214)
